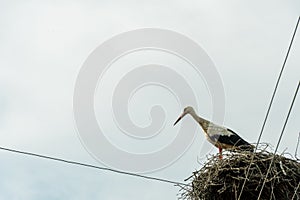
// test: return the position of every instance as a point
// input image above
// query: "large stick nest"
(223, 179)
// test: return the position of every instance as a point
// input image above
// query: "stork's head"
(187, 110)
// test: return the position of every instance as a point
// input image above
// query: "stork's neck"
(203, 122)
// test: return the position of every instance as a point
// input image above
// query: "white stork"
(221, 137)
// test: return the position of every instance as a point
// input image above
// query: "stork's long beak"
(179, 118)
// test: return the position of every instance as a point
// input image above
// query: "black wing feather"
(234, 140)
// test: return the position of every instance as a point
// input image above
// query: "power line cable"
(279, 140)
(93, 166)
(296, 150)
(270, 105)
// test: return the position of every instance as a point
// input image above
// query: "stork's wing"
(234, 139)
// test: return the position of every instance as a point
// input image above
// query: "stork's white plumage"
(219, 136)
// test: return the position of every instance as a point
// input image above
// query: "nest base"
(223, 179)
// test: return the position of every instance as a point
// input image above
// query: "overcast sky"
(44, 45)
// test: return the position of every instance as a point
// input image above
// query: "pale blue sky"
(43, 46)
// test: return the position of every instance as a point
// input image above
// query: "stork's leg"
(220, 153)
